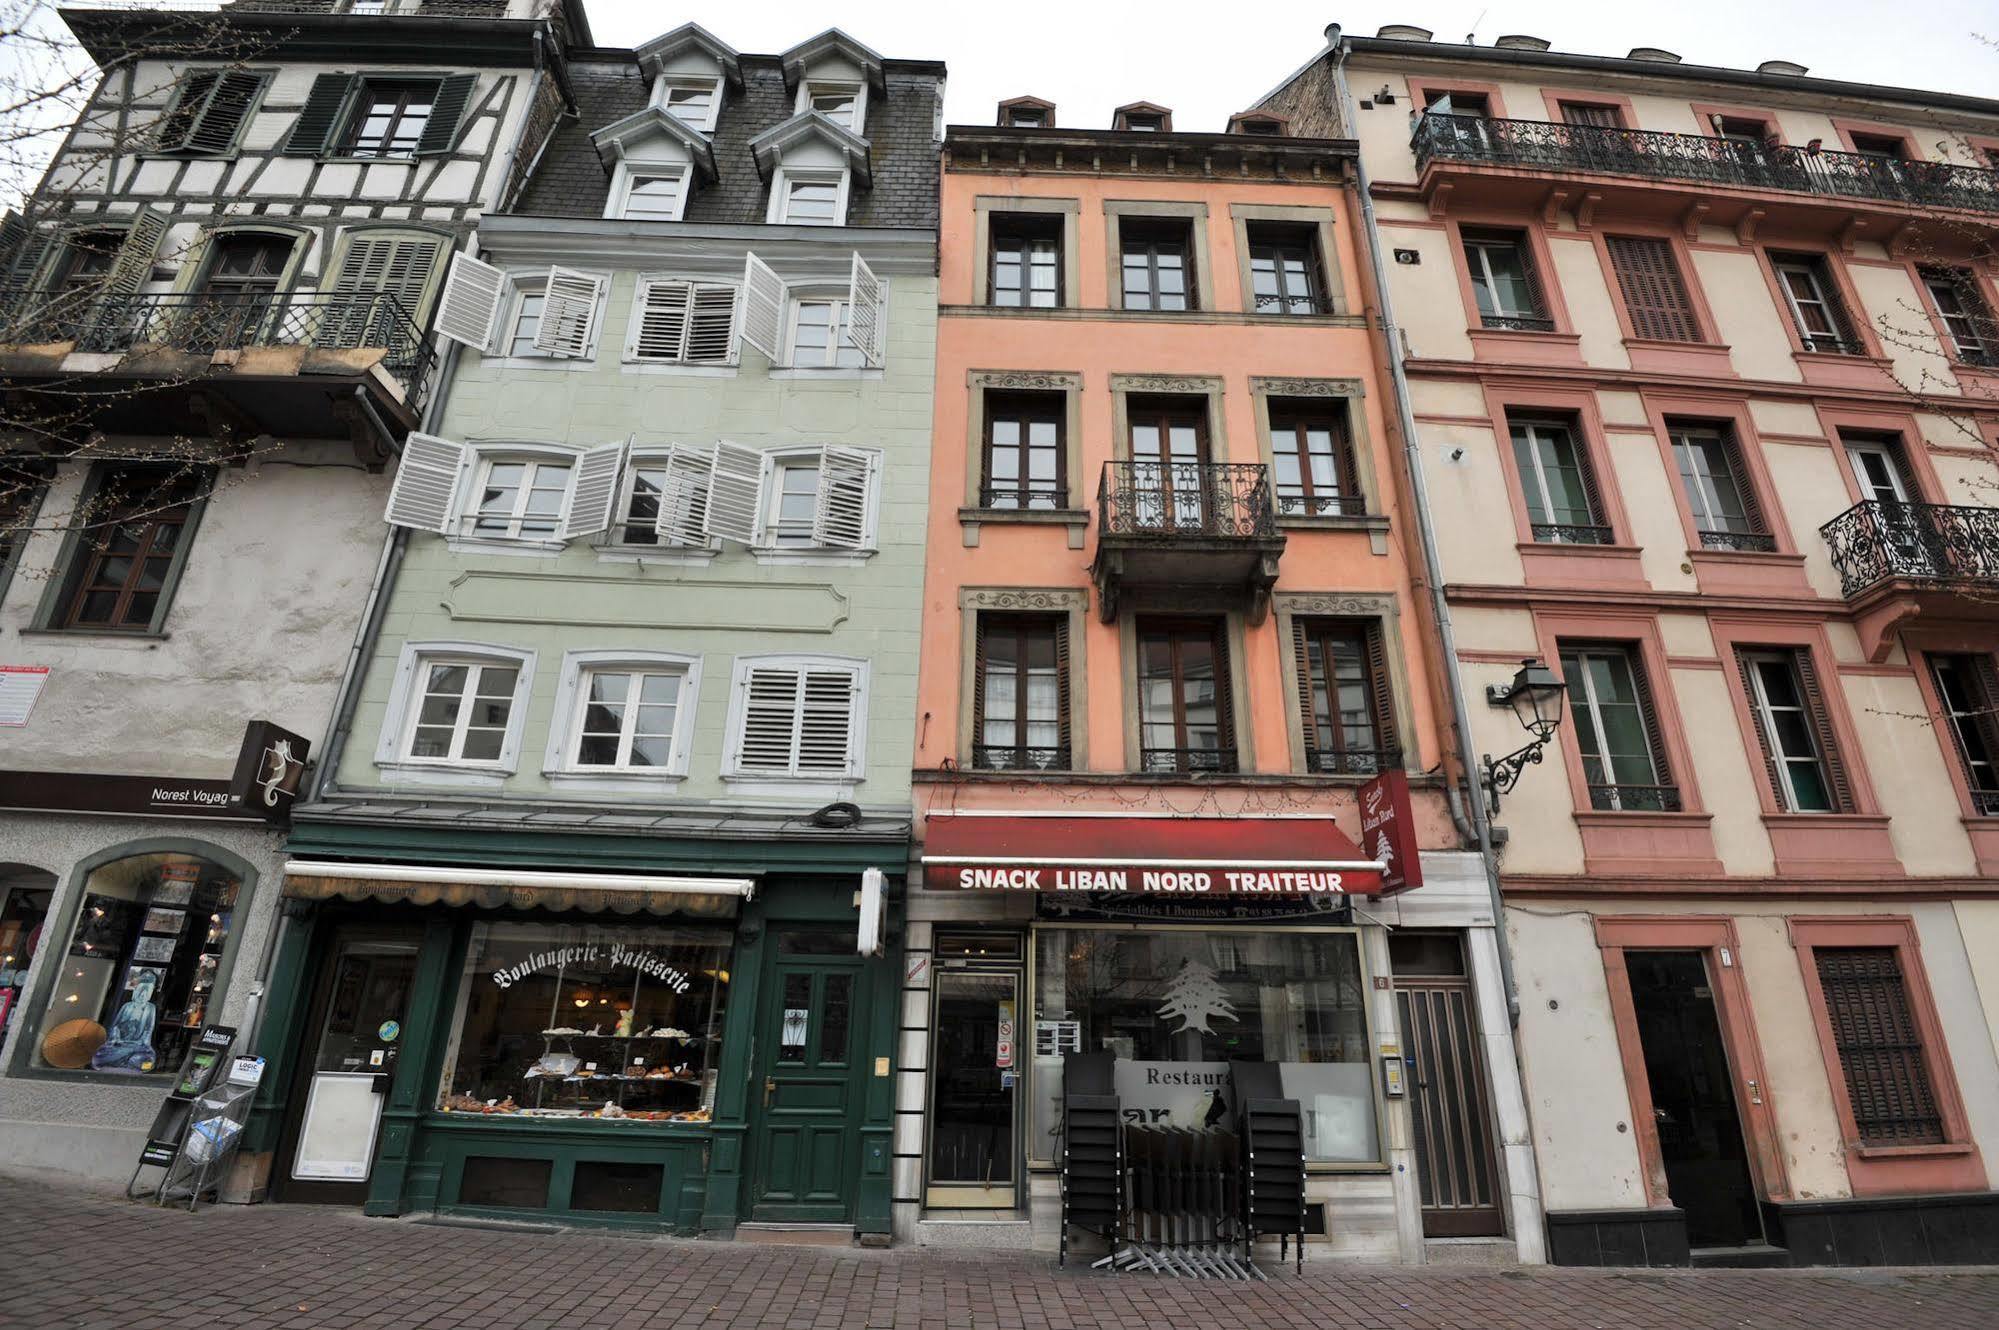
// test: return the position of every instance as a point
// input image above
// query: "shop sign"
(1181, 909)
(1388, 831)
(1171, 1094)
(20, 685)
(614, 954)
(1159, 881)
(268, 770)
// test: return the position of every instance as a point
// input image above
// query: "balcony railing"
(1541, 145)
(1571, 533)
(1211, 500)
(1879, 540)
(1753, 542)
(1167, 761)
(205, 323)
(1635, 798)
(1012, 757)
(1352, 761)
(1040, 498)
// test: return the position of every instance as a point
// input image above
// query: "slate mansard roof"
(571, 181)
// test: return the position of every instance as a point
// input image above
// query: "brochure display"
(197, 1129)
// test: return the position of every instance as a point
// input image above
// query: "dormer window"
(845, 104)
(809, 198)
(1022, 117)
(1266, 124)
(693, 102)
(1143, 118)
(1026, 113)
(1145, 122)
(652, 195)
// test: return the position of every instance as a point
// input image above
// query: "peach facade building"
(1700, 364)
(1166, 643)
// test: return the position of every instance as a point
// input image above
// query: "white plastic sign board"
(246, 1071)
(20, 685)
(336, 1142)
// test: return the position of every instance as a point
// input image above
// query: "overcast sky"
(1206, 60)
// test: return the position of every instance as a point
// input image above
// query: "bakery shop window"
(136, 977)
(588, 1021)
(1176, 1005)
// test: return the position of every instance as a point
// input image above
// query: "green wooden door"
(805, 1138)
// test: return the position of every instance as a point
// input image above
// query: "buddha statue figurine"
(128, 1045)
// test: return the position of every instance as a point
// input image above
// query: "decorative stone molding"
(1270, 387)
(1166, 383)
(1345, 604)
(1054, 380)
(1036, 599)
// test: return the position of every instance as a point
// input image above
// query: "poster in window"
(101, 926)
(155, 949)
(174, 891)
(154, 974)
(165, 921)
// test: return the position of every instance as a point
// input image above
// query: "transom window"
(462, 709)
(1026, 261)
(519, 498)
(1025, 457)
(1790, 729)
(627, 718)
(1313, 462)
(389, 118)
(1616, 730)
(1284, 270)
(1157, 263)
(1184, 714)
(655, 197)
(821, 336)
(1555, 480)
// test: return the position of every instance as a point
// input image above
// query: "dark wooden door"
(806, 1140)
(1456, 1174)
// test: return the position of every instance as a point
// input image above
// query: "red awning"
(1195, 856)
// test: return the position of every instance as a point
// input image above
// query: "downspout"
(1405, 415)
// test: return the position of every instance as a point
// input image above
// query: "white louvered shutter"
(474, 291)
(711, 325)
(764, 294)
(659, 331)
(426, 484)
(864, 312)
(593, 491)
(840, 511)
(826, 722)
(569, 313)
(770, 721)
(683, 496)
(736, 493)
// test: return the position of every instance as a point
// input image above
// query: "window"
(519, 499)
(1294, 996)
(1457, 120)
(822, 336)
(1968, 693)
(1504, 281)
(1557, 482)
(693, 102)
(208, 112)
(461, 710)
(626, 719)
(389, 118)
(1792, 726)
(129, 542)
(1817, 311)
(842, 103)
(1594, 115)
(1655, 294)
(1158, 263)
(1184, 710)
(1284, 269)
(1973, 336)
(142, 963)
(655, 196)
(1877, 467)
(797, 717)
(21, 490)
(638, 514)
(801, 499)
(677, 321)
(528, 331)
(1457, 103)
(1026, 260)
(1143, 122)
(1349, 721)
(816, 198)
(1880, 1046)
(1617, 730)
(1313, 462)
(562, 1020)
(1172, 486)
(1881, 147)
(1719, 494)
(1746, 140)
(1027, 117)
(794, 498)
(1020, 706)
(1026, 455)
(527, 324)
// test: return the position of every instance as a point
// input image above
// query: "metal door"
(1456, 1173)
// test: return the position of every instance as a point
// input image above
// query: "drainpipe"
(1440, 609)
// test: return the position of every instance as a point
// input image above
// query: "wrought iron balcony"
(1929, 544)
(1635, 798)
(1166, 761)
(1181, 528)
(1039, 497)
(1539, 145)
(1570, 533)
(1013, 757)
(1753, 542)
(1352, 761)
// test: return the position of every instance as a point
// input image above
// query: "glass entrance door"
(974, 1071)
(357, 1037)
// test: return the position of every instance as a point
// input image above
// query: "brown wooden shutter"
(1745, 482)
(1586, 472)
(1880, 1046)
(1224, 695)
(980, 622)
(1829, 754)
(1379, 694)
(1064, 734)
(1655, 295)
(1301, 655)
(1532, 271)
(1747, 668)
(1655, 735)
(1349, 465)
(1985, 678)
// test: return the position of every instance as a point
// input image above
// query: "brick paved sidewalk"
(71, 1259)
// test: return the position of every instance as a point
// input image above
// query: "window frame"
(857, 126)
(790, 456)
(355, 115)
(839, 326)
(1961, 283)
(1849, 336)
(1978, 717)
(1020, 226)
(1304, 236)
(1531, 421)
(617, 204)
(1313, 635)
(1190, 293)
(1706, 440)
(399, 721)
(1019, 624)
(1481, 238)
(18, 515)
(521, 284)
(782, 180)
(1228, 734)
(1691, 314)
(667, 84)
(196, 115)
(64, 590)
(483, 462)
(812, 783)
(642, 286)
(1818, 727)
(1350, 498)
(1631, 656)
(1004, 403)
(560, 763)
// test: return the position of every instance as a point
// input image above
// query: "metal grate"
(1880, 1048)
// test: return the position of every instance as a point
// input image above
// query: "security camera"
(1456, 455)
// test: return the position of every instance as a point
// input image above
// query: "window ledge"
(823, 788)
(666, 555)
(1334, 521)
(151, 156)
(460, 775)
(668, 369)
(1027, 516)
(1891, 1152)
(532, 549)
(615, 781)
(94, 635)
(834, 373)
(811, 558)
(370, 161)
(540, 364)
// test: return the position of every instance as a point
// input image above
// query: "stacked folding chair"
(1273, 1157)
(1093, 1151)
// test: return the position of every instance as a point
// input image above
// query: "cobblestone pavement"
(73, 1259)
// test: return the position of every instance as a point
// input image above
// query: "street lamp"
(1535, 695)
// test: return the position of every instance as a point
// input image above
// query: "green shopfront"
(681, 1032)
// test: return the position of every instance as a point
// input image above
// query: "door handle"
(770, 1088)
